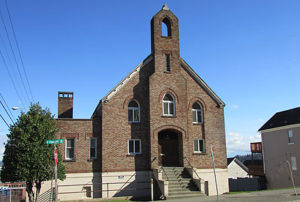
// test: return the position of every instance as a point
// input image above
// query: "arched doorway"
(169, 148)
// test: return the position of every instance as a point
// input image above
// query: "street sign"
(55, 156)
(58, 141)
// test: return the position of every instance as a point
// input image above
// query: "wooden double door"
(168, 148)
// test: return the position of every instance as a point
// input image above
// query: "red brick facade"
(148, 84)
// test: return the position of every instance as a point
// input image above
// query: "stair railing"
(192, 167)
(162, 168)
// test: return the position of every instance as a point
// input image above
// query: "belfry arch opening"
(166, 27)
(170, 152)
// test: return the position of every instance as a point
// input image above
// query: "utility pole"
(213, 160)
(55, 170)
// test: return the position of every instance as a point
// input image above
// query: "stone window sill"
(199, 153)
(133, 154)
(69, 160)
(165, 116)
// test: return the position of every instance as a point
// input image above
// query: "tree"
(27, 157)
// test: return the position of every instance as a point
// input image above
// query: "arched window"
(133, 112)
(166, 27)
(168, 105)
(197, 113)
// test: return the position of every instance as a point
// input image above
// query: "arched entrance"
(169, 148)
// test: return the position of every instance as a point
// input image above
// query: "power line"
(14, 56)
(7, 106)
(4, 121)
(15, 37)
(10, 62)
(12, 80)
(7, 112)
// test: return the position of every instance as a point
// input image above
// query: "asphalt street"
(258, 196)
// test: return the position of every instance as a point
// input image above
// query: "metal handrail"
(162, 168)
(192, 167)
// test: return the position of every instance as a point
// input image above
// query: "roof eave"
(197, 78)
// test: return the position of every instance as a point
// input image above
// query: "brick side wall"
(81, 130)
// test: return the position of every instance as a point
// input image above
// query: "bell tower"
(165, 47)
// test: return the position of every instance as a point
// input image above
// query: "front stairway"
(181, 184)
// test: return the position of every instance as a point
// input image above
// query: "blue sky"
(247, 51)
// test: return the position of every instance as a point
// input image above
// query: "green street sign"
(58, 141)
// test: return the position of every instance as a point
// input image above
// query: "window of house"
(93, 148)
(199, 146)
(168, 66)
(133, 112)
(293, 163)
(197, 113)
(134, 146)
(70, 148)
(290, 137)
(168, 105)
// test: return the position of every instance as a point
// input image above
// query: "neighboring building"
(281, 153)
(161, 114)
(236, 169)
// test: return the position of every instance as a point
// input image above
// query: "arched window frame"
(196, 112)
(170, 105)
(134, 111)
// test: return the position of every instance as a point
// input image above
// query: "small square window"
(199, 146)
(134, 146)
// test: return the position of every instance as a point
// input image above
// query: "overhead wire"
(14, 56)
(7, 112)
(7, 107)
(20, 55)
(4, 121)
(11, 78)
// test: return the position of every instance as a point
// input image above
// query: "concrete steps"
(181, 184)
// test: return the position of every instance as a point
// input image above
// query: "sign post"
(58, 141)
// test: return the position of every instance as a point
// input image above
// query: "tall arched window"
(168, 105)
(133, 112)
(166, 27)
(197, 113)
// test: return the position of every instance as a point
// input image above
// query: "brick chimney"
(65, 104)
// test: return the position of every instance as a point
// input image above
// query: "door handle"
(162, 154)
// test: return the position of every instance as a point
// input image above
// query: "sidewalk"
(258, 196)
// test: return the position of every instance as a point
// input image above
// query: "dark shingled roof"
(284, 118)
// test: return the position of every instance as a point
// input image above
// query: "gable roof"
(283, 118)
(238, 162)
(148, 59)
(197, 78)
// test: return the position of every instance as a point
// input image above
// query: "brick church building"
(161, 116)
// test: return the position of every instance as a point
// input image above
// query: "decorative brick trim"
(173, 127)
(165, 91)
(196, 99)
